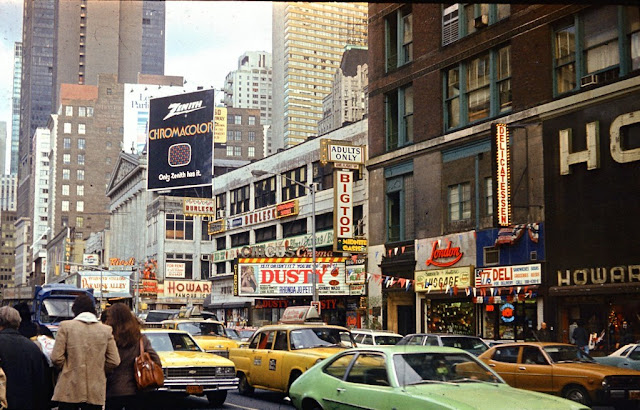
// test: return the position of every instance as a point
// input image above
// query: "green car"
(412, 377)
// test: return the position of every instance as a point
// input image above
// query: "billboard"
(180, 141)
(289, 277)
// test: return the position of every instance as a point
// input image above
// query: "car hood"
(192, 359)
(595, 369)
(323, 352)
(215, 342)
(472, 395)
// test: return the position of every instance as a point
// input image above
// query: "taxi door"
(366, 386)
(260, 359)
(505, 362)
(278, 372)
(534, 371)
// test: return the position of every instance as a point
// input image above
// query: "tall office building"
(308, 42)
(8, 187)
(15, 107)
(110, 37)
(250, 87)
(3, 146)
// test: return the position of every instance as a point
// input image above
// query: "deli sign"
(289, 277)
(521, 275)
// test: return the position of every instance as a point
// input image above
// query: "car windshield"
(635, 355)
(417, 368)
(566, 353)
(172, 342)
(232, 333)
(56, 310)
(319, 337)
(202, 328)
(470, 344)
(387, 339)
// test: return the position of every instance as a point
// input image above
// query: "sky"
(203, 41)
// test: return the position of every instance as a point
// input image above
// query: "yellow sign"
(351, 245)
(440, 280)
(220, 125)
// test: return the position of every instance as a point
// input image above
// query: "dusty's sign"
(509, 276)
(289, 277)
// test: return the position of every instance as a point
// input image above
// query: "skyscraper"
(250, 87)
(3, 146)
(308, 42)
(15, 108)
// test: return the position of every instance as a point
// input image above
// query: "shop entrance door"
(406, 319)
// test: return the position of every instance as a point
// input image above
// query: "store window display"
(509, 321)
(450, 317)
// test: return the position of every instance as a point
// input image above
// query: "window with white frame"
(460, 20)
(251, 152)
(67, 128)
(80, 206)
(265, 192)
(89, 111)
(80, 190)
(81, 129)
(291, 189)
(80, 175)
(80, 159)
(478, 88)
(65, 190)
(66, 143)
(68, 111)
(66, 159)
(238, 120)
(252, 136)
(65, 206)
(82, 111)
(488, 195)
(252, 120)
(179, 227)
(459, 201)
(66, 174)
(239, 199)
(229, 150)
(237, 151)
(79, 222)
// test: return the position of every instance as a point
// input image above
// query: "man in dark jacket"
(24, 364)
(581, 337)
(29, 328)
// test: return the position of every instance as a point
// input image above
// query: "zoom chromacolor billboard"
(180, 141)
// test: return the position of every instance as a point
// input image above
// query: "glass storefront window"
(450, 317)
(509, 320)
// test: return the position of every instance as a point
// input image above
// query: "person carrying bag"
(147, 373)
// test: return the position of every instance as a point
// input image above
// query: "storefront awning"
(603, 289)
(228, 305)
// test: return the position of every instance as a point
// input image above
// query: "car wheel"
(577, 394)
(217, 398)
(243, 385)
(292, 378)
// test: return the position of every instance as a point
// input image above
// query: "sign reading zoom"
(180, 141)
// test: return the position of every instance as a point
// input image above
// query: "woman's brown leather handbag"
(148, 374)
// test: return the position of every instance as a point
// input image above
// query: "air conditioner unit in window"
(220, 213)
(589, 80)
(481, 21)
(206, 257)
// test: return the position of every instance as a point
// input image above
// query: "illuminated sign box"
(215, 227)
(351, 245)
(289, 208)
(439, 279)
(199, 207)
(521, 275)
(502, 173)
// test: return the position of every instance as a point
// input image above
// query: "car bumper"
(208, 384)
(620, 394)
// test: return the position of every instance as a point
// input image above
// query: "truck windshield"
(56, 310)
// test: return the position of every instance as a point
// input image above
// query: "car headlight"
(605, 383)
(225, 371)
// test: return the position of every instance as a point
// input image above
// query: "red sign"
(271, 303)
(122, 262)
(289, 208)
(453, 254)
(343, 194)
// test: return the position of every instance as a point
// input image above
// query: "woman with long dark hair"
(121, 384)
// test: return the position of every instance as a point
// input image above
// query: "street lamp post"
(312, 189)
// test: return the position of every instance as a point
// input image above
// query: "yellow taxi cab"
(210, 334)
(278, 354)
(187, 369)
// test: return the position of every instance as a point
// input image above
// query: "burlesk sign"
(520, 275)
(180, 141)
(289, 277)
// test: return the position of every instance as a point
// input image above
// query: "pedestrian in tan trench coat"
(85, 349)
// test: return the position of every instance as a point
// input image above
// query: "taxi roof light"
(300, 315)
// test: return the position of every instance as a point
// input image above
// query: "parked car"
(412, 377)
(232, 334)
(188, 369)
(375, 337)
(277, 354)
(627, 357)
(210, 334)
(564, 370)
(471, 344)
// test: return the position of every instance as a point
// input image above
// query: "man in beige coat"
(85, 350)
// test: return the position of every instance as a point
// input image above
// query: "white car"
(368, 337)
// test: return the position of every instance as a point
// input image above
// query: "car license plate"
(194, 389)
(634, 394)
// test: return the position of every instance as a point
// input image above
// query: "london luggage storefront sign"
(441, 280)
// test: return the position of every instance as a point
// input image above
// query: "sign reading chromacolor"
(289, 277)
(520, 275)
(180, 141)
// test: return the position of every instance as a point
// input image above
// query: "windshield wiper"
(469, 379)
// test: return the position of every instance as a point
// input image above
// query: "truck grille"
(191, 372)
(624, 382)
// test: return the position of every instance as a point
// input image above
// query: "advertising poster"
(289, 277)
(180, 152)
